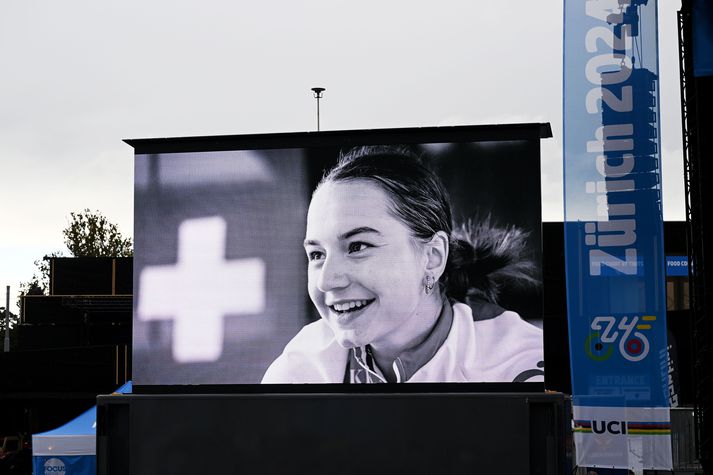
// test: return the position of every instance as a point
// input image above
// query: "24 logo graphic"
(619, 332)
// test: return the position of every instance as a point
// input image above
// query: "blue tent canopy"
(70, 448)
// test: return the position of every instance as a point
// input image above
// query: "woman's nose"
(332, 275)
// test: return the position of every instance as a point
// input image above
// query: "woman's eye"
(314, 255)
(358, 246)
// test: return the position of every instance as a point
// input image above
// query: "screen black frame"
(346, 138)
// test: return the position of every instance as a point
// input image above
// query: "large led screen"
(409, 255)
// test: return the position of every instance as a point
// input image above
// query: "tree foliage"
(14, 320)
(40, 282)
(90, 234)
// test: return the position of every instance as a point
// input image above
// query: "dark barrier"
(76, 309)
(76, 370)
(333, 433)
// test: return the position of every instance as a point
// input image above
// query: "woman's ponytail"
(483, 258)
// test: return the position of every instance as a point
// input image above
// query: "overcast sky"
(77, 77)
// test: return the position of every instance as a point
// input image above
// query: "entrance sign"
(614, 235)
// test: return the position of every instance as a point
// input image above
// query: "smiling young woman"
(389, 277)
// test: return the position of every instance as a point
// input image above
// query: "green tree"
(90, 234)
(14, 320)
(40, 282)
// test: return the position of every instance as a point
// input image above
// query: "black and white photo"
(350, 260)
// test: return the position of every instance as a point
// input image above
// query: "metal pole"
(7, 319)
(318, 95)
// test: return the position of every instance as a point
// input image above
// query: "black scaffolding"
(696, 94)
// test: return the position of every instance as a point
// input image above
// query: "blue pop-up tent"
(71, 448)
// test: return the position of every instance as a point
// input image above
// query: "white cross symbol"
(200, 289)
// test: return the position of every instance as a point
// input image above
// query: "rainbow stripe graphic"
(583, 427)
(648, 428)
(632, 428)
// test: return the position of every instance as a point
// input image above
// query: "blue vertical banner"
(615, 264)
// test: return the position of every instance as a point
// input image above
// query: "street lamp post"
(318, 95)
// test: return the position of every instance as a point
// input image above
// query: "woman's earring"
(430, 284)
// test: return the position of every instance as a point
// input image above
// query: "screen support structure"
(697, 144)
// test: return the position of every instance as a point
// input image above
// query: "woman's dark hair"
(481, 256)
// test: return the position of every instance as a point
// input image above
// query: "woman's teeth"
(346, 306)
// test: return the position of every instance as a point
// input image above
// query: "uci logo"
(54, 466)
(620, 333)
(611, 427)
